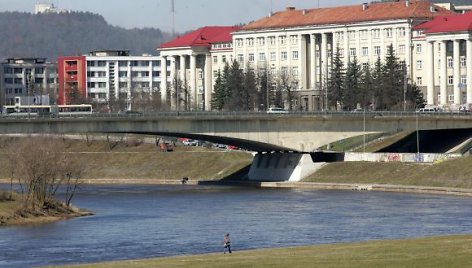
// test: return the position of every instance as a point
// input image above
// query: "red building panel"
(72, 74)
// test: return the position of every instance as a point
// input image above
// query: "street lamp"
(417, 134)
(364, 128)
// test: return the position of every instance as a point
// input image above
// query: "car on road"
(276, 110)
(190, 142)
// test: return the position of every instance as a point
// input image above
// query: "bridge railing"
(202, 114)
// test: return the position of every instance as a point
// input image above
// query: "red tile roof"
(417, 9)
(203, 37)
(448, 24)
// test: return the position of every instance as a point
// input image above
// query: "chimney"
(407, 3)
(304, 12)
(364, 6)
(290, 8)
(432, 8)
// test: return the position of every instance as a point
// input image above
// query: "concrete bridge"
(284, 141)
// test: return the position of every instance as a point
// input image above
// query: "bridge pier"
(282, 166)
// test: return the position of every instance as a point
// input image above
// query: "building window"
(271, 40)
(223, 58)
(282, 40)
(463, 62)
(365, 51)
(239, 42)
(200, 74)
(365, 66)
(215, 74)
(122, 73)
(261, 41)
(450, 80)
(283, 55)
(463, 81)
(419, 81)
(273, 56)
(377, 50)
(376, 33)
(418, 48)
(340, 36)
(250, 42)
(251, 57)
(388, 33)
(284, 70)
(295, 70)
(450, 62)
(262, 56)
(294, 55)
(451, 97)
(419, 65)
(401, 31)
(240, 58)
(401, 49)
(293, 39)
(215, 59)
(363, 34)
(352, 52)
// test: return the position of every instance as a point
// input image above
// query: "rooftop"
(448, 24)
(291, 17)
(203, 37)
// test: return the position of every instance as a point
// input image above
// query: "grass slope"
(449, 251)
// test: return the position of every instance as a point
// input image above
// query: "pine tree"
(392, 80)
(366, 87)
(219, 94)
(377, 85)
(351, 85)
(251, 89)
(335, 85)
(235, 86)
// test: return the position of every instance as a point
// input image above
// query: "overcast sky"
(189, 14)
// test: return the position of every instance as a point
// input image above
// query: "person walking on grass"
(227, 244)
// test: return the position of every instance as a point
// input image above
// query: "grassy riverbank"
(449, 251)
(451, 173)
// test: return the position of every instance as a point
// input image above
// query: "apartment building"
(108, 74)
(25, 78)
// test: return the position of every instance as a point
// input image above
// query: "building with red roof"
(194, 58)
(447, 59)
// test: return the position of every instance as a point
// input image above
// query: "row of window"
(450, 80)
(450, 63)
(14, 90)
(294, 39)
(222, 45)
(19, 70)
(133, 63)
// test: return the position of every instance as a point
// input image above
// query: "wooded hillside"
(76, 33)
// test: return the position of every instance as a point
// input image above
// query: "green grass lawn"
(441, 252)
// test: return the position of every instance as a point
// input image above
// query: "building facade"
(107, 75)
(301, 44)
(194, 60)
(24, 78)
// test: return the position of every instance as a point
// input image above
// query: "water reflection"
(150, 221)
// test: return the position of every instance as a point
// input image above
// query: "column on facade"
(312, 75)
(383, 48)
(469, 70)
(182, 68)
(164, 79)
(173, 76)
(302, 61)
(193, 77)
(443, 73)
(408, 49)
(430, 86)
(457, 73)
(208, 82)
(358, 44)
(346, 48)
(324, 58)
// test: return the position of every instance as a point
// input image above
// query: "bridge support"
(282, 167)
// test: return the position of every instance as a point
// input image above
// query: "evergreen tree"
(377, 86)
(335, 85)
(250, 85)
(263, 95)
(219, 94)
(352, 92)
(235, 88)
(366, 87)
(392, 81)
(414, 97)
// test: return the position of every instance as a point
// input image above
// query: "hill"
(76, 33)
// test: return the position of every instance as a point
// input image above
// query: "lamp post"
(364, 127)
(417, 133)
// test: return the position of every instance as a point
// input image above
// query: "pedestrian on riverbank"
(227, 244)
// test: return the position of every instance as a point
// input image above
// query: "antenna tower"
(173, 18)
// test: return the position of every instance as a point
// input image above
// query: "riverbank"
(446, 251)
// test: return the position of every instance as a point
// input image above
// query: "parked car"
(276, 110)
(190, 142)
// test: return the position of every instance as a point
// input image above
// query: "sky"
(189, 14)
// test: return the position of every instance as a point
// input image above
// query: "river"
(133, 222)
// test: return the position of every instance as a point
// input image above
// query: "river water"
(134, 222)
